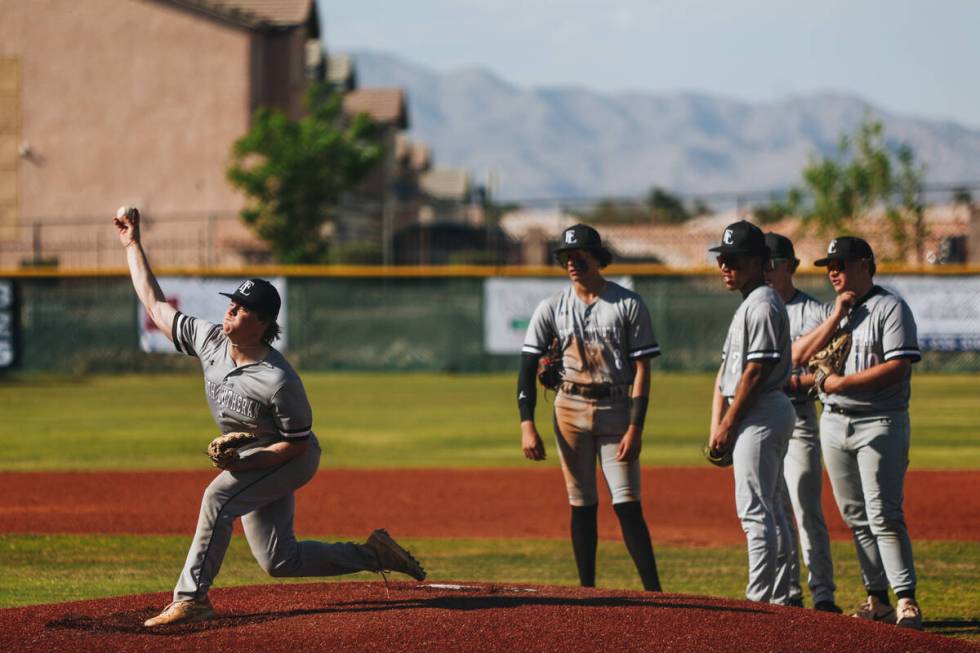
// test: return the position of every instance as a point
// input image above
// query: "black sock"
(585, 539)
(881, 595)
(905, 594)
(637, 539)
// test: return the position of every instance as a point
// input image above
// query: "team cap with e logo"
(258, 295)
(580, 236)
(742, 237)
(846, 248)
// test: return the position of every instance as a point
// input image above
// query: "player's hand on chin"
(630, 445)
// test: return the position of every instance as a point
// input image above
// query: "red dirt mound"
(683, 505)
(442, 617)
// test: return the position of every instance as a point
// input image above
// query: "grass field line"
(403, 420)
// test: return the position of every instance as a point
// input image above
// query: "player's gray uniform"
(600, 342)
(265, 398)
(865, 438)
(760, 332)
(802, 471)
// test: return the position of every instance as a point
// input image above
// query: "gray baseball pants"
(758, 455)
(866, 457)
(587, 429)
(264, 500)
(803, 472)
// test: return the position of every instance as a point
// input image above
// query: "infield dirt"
(683, 505)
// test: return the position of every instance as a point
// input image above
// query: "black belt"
(595, 391)
(843, 411)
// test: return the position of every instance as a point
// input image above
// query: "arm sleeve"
(762, 343)
(190, 334)
(540, 331)
(527, 390)
(898, 334)
(291, 411)
(642, 343)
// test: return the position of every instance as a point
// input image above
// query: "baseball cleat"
(391, 556)
(182, 612)
(794, 603)
(827, 606)
(909, 614)
(875, 610)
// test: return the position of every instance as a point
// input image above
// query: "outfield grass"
(50, 569)
(392, 420)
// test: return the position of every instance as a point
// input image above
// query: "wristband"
(638, 410)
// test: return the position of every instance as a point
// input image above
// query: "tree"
(666, 207)
(962, 195)
(294, 172)
(864, 175)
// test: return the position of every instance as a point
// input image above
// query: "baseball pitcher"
(251, 389)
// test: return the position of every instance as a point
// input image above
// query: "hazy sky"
(917, 58)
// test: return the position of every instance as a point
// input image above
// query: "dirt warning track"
(683, 505)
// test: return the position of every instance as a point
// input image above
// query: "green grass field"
(392, 420)
(417, 420)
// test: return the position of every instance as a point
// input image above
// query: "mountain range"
(572, 142)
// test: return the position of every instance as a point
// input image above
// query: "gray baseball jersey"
(601, 341)
(759, 332)
(266, 398)
(882, 329)
(805, 314)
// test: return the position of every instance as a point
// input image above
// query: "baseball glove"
(551, 366)
(223, 450)
(718, 458)
(830, 359)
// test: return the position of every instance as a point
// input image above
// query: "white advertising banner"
(946, 309)
(198, 297)
(508, 305)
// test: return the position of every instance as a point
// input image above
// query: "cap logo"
(729, 237)
(832, 247)
(570, 237)
(245, 288)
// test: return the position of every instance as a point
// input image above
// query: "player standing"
(607, 342)
(750, 414)
(250, 387)
(802, 469)
(865, 431)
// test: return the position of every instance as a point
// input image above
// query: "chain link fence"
(80, 325)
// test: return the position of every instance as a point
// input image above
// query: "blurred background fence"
(89, 324)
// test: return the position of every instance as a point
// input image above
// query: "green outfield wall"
(371, 321)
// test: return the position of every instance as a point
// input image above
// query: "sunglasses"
(564, 257)
(730, 261)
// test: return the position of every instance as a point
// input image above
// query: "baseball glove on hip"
(223, 450)
(830, 359)
(718, 458)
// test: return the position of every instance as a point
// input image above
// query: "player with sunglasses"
(751, 417)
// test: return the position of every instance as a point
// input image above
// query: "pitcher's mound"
(451, 616)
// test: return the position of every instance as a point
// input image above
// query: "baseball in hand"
(124, 211)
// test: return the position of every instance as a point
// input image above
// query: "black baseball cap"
(780, 247)
(581, 236)
(742, 237)
(258, 295)
(846, 248)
